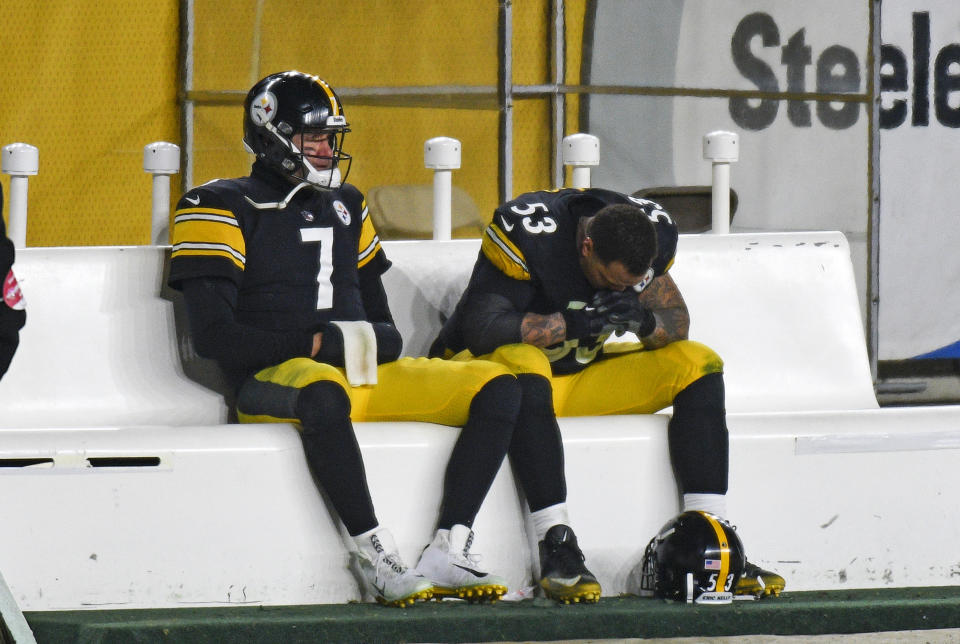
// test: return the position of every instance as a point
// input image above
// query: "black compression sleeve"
(493, 308)
(489, 321)
(211, 302)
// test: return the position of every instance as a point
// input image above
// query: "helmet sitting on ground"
(696, 557)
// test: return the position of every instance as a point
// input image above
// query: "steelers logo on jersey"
(342, 212)
(263, 108)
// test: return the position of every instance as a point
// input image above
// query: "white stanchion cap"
(722, 147)
(20, 159)
(441, 153)
(161, 157)
(581, 150)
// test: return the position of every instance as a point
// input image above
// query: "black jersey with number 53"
(533, 240)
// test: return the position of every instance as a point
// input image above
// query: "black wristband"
(331, 345)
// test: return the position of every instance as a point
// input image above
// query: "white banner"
(803, 165)
(920, 189)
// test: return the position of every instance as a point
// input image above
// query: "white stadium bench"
(124, 484)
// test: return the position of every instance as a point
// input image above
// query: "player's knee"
(537, 391)
(298, 372)
(322, 402)
(522, 358)
(499, 398)
(689, 362)
(703, 359)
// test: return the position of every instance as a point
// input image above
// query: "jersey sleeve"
(667, 234)
(207, 239)
(12, 313)
(370, 255)
(503, 253)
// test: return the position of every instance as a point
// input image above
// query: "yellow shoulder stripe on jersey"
(208, 231)
(504, 254)
(369, 240)
(724, 550)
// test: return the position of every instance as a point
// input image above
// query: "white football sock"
(548, 517)
(715, 504)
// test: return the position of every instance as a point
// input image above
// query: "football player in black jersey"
(12, 311)
(281, 276)
(559, 272)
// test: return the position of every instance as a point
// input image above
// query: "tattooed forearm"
(673, 320)
(542, 330)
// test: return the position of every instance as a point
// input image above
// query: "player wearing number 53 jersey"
(561, 271)
(281, 276)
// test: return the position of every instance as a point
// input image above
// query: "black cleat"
(563, 577)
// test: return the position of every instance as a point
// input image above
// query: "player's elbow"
(208, 344)
(484, 335)
(389, 342)
(481, 346)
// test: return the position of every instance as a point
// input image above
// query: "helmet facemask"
(324, 170)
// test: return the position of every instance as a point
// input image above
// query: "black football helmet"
(283, 105)
(696, 557)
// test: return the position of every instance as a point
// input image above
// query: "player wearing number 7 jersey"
(559, 272)
(281, 276)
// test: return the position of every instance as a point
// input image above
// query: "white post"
(442, 154)
(20, 160)
(721, 148)
(581, 151)
(161, 159)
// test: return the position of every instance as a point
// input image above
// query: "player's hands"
(583, 321)
(622, 311)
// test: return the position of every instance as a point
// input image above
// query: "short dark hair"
(623, 233)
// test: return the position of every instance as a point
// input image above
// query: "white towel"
(359, 352)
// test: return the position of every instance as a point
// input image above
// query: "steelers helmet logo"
(263, 108)
(342, 212)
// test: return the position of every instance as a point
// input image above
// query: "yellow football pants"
(409, 389)
(626, 380)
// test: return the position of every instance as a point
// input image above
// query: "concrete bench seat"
(129, 487)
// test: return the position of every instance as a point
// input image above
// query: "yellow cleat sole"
(485, 593)
(586, 593)
(409, 600)
(759, 591)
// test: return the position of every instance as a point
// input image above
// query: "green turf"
(800, 613)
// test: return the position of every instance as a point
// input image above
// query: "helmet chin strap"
(328, 179)
(278, 205)
(318, 179)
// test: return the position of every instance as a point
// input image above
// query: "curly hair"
(624, 233)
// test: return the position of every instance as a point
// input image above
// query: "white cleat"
(386, 579)
(447, 562)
